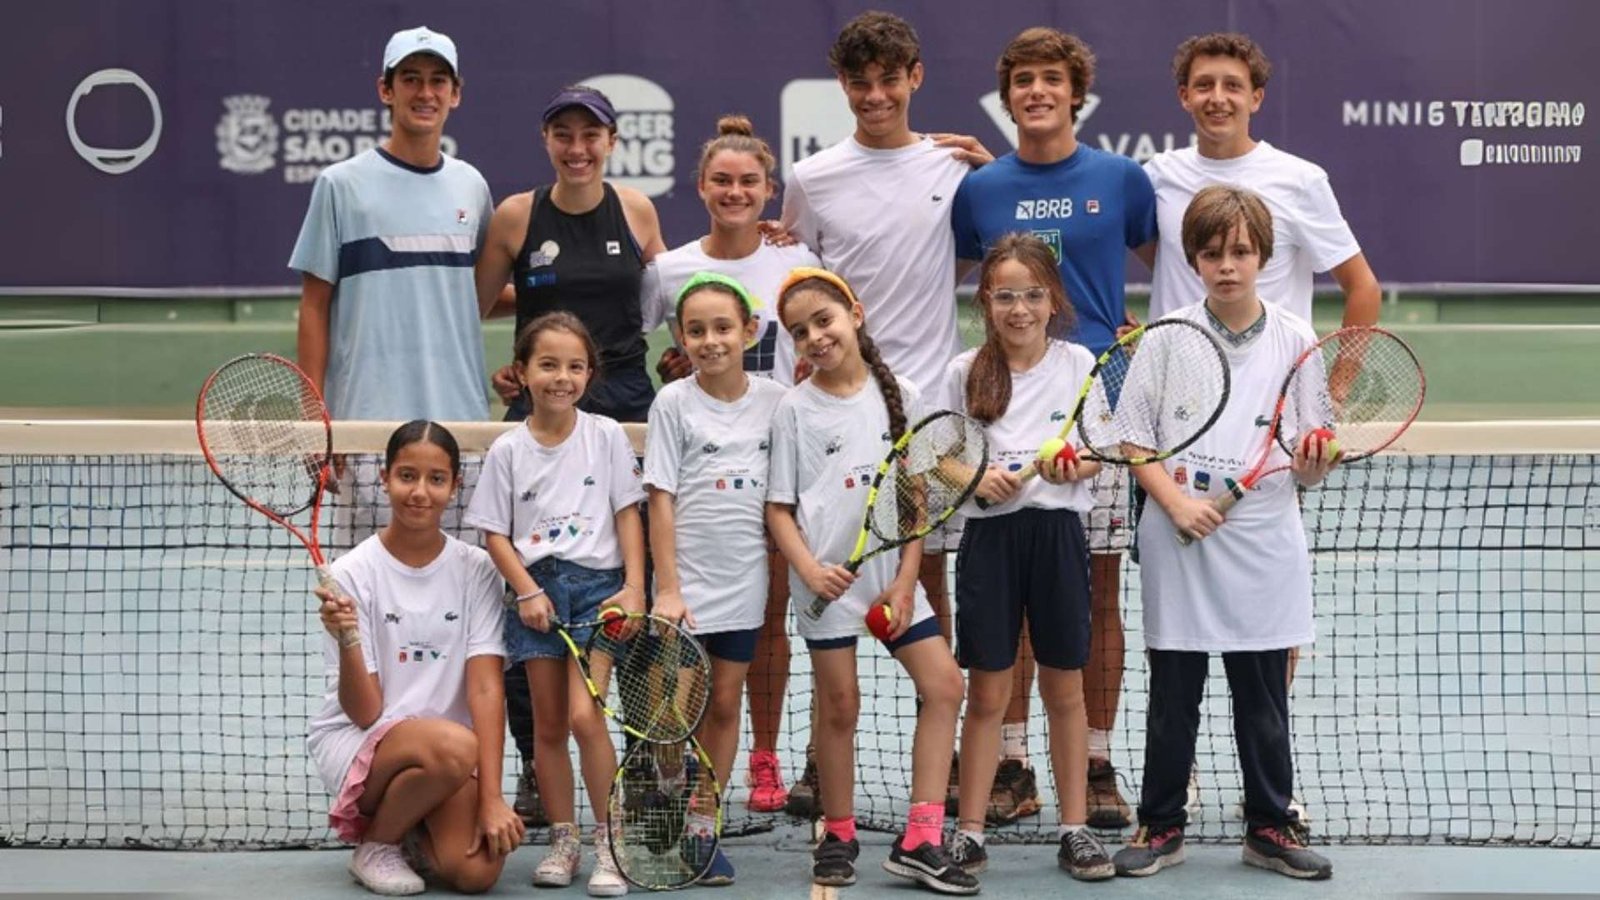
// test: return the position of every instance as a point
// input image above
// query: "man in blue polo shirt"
(1092, 207)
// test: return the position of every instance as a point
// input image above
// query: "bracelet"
(349, 639)
(520, 599)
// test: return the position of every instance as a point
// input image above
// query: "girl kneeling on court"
(1243, 587)
(1024, 555)
(828, 436)
(411, 733)
(558, 503)
(706, 470)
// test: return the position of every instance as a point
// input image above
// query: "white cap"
(421, 39)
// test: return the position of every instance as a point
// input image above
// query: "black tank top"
(589, 265)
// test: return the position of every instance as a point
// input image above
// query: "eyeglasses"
(1035, 296)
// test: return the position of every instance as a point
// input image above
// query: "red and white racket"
(266, 436)
(1361, 383)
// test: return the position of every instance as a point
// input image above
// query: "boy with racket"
(1092, 207)
(1244, 587)
(829, 434)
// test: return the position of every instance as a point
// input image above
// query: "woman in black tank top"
(572, 247)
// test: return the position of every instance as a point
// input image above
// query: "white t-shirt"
(1041, 401)
(419, 626)
(713, 457)
(1309, 234)
(1248, 585)
(880, 219)
(825, 450)
(761, 273)
(559, 501)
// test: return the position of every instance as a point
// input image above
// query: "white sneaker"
(382, 869)
(1191, 802)
(560, 864)
(606, 880)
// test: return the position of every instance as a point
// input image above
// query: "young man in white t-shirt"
(875, 208)
(1222, 80)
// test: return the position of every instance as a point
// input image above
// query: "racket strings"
(935, 471)
(659, 679)
(1158, 399)
(1368, 388)
(665, 807)
(266, 432)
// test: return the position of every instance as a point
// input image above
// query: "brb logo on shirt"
(1050, 208)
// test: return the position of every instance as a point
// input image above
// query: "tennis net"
(161, 655)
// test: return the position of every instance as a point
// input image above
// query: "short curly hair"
(875, 37)
(1047, 45)
(1222, 43)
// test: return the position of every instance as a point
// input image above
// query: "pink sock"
(844, 829)
(925, 825)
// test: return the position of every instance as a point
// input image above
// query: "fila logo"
(1092, 207)
(613, 248)
(1057, 208)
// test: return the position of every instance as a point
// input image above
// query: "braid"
(892, 400)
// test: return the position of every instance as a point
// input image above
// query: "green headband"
(701, 279)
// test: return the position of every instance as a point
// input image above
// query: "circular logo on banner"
(643, 157)
(109, 160)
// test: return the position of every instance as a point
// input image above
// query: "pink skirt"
(344, 816)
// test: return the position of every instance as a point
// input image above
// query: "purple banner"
(172, 144)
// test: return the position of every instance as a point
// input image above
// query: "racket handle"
(1221, 504)
(349, 637)
(817, 608)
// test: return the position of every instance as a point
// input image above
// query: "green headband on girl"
(701, 279)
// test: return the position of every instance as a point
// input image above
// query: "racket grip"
(1221, 504)
(349, 637)
(817, 608)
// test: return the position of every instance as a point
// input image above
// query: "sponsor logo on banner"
(111, 160)
(1471, 116)
(251, 139)
(643, 157)
(247, 138)
(813, 115)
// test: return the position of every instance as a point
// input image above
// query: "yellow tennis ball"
(1050, 448)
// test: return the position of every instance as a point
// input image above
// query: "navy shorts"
(1033, 563)
(921, 631)
(576, 592)
(734, 646)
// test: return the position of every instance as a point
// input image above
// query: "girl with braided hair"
(828, 435)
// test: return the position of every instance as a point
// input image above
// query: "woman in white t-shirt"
(736, 180)
(829, 434)
(411, 733)
(558, 504)
(705, 467)
(1024, 555)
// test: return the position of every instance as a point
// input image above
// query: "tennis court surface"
(161, 660)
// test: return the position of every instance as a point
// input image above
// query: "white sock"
(1065, 830)
(1014, 741)
(1099, 744)
(976, 836)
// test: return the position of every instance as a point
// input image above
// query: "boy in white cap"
(385, 254)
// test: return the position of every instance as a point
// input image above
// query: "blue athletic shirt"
(1091, 208)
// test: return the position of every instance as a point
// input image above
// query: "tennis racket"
(666, 814)
(266, 436)
(646, 673)
(1151, 394)
(1362, 383)
(928, 474)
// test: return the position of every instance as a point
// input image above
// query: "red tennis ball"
(880, 621)
(1323, 436)
(614, 620)
(1067, 455)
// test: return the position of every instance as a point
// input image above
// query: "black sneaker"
(930, 866)
(527, 805)
(1282, 848)
(1150, 851)
(1083, 856)
(833, 863)
(802, 802)
(968, 853)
